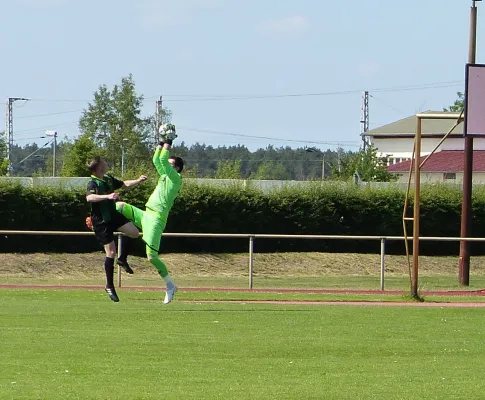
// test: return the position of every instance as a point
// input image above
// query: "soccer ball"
(166, 128)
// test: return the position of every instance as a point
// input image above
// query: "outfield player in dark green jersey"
(105, 220)
(153, 220)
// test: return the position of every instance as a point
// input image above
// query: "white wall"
(266, 186)
(81, 182)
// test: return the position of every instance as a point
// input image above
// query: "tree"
(369, 166)
(191, 172)
(271, 171)
(228, 169)
(81, 152)
(458, 105)
(114, 120)
(63, 150)
(28, 160)
(3, 155)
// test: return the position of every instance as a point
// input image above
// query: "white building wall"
(401, 149)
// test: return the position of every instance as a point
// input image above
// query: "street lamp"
(314, 150)
(54, 135)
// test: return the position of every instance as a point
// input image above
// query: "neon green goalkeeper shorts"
(150, 222)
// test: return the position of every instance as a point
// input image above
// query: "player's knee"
(111, 253)
(130, 230)
(111, 250)
(151, 254)
(119, 206)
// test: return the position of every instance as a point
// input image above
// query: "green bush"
(316, 209)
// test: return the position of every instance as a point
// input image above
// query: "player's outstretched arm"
(156, 161)
(95, 198)
(164, 156)
(134, 182)
(92, 195)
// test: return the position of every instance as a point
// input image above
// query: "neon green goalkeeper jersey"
(168, 186)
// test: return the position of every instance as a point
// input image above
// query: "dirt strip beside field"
(339, 303)
(258, 290)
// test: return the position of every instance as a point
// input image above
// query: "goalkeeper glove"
(167, 133)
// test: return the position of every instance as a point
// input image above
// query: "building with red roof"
(444, 166)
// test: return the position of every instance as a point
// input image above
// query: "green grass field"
(77, 344)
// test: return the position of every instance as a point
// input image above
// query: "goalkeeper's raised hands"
(167, 133)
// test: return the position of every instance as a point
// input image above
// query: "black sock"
(109, 267)
(125, 248)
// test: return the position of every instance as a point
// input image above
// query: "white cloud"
(289, 25)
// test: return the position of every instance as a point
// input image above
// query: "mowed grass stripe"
(80, 345)
(220, 295)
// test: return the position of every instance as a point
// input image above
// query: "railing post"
(251, 261)
(383, 255)
(119, 254)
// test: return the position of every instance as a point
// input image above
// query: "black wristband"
(169, 141)
(161, 143)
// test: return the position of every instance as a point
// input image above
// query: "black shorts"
(104, 230)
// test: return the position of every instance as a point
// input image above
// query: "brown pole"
(417, 195)
(466, 207)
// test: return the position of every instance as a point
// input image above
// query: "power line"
(47, 127)
(49, 114)
(29, 138)
(387, 104)
(39, 149)
(331, 143)
(347, 143)
(62, 100)
(207, 97)
(319, 94)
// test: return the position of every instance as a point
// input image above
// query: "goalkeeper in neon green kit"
(152, 221)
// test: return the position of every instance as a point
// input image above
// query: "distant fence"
(253, 237)
(264, 185)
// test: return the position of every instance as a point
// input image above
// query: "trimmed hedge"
(317, 209)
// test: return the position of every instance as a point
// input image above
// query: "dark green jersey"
(102, 211)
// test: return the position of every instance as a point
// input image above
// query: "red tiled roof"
(444, 161)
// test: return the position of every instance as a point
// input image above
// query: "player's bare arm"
(95, 198)
(134, 182)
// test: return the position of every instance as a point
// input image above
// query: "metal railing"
(252, 237)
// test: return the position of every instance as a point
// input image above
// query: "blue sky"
(201, 55)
